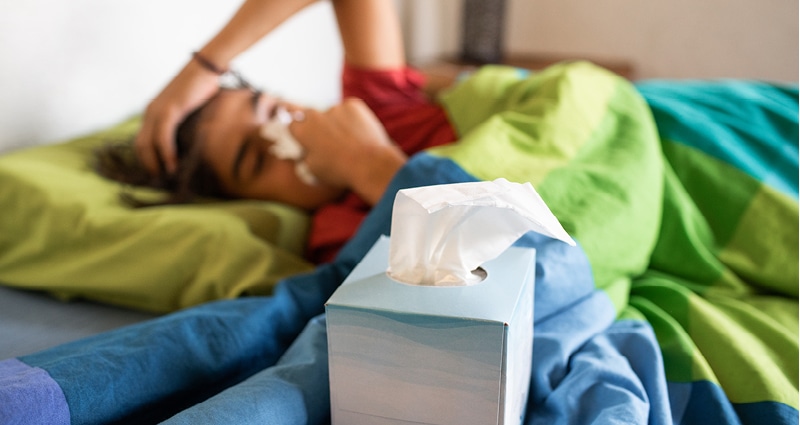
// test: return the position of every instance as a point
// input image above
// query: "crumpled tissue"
(284, 145)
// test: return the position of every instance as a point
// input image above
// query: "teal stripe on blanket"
(751, 136)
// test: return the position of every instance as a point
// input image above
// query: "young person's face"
(240, 157)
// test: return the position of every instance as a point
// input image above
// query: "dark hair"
(194, 178)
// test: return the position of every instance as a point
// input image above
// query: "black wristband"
(207, 64)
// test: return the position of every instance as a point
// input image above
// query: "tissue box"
(403, 354)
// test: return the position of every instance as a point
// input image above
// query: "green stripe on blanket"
(585, 139)
(726, 225)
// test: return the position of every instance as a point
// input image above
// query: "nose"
(264, 107)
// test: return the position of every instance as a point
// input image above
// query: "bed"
(678, 305)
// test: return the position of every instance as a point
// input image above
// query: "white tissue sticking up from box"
(442, 234)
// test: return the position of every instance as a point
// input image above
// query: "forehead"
(223, 128)
(225, 104)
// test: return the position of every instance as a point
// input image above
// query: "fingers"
(339, 141)
(155, 145)
(144, 148)
(155, 142)
(164, 141)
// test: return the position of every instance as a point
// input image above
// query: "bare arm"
(370, 31)
(357, 153)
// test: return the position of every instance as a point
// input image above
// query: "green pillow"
(65, 230)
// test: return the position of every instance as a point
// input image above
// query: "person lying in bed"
(352, 149)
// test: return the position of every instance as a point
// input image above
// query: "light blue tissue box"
(402, 354)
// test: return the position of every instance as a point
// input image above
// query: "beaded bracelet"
(207, 64)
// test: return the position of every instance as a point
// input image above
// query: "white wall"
(70, 67)
(662, 39)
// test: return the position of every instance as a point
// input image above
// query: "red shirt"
(410, 119)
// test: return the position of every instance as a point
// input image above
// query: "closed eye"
(255, 99)
(236, 167)
(255, 149)
(258, 164)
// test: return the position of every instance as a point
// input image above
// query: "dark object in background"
(482, 29)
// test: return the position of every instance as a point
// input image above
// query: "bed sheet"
(32, 321)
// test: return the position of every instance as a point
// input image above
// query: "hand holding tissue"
(429, 341)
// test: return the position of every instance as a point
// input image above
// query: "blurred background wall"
(662, 39)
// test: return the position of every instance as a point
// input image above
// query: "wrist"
(378, 170)
(208, 64)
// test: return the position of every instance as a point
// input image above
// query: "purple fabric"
(29, 396)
